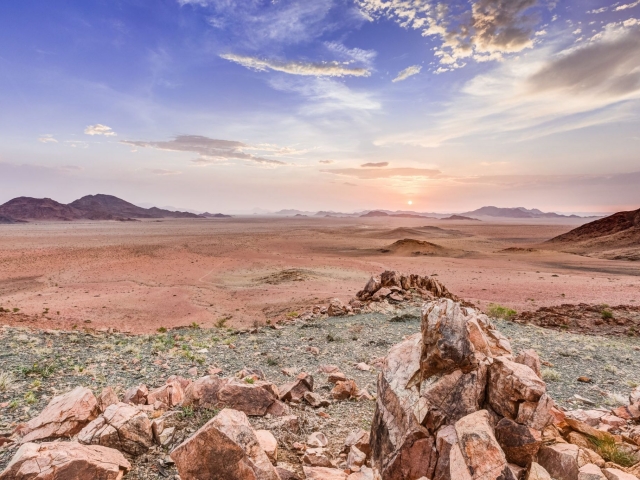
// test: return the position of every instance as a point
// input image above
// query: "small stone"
(317, 439)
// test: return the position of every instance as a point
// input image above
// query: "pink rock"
(359, 439)
(562, 460)
(193, 371)
(537, 415)
(106, 398)
(65, 416)
(294, 391)
(323, 473)
(531, 359)
(337, 377)
(344, 390)
(537, 472)
(355, 459)
(269, 444)
(445, 441)
(317, 439)
(65, 461)
(511, 383)
(590, 472)
(381, 294)
(519, 442)
(316, 457)
(328, 369)
(136, 395)
(170, 394)
(225, 447)
(121, 426)
(615, 474)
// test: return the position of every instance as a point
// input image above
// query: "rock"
(64, 416)
(336, 308)
(193, 372)
(531, 359)
(395, 298)
(366, 473)
(634, 396)
(613, 420)
(204, 392)
(519, 443)
(537, 415)
(288, 422)
(322, 473)
(166, 436)
(225, 447)
(511, 383)
(317, 439)
(295, 390)
(315, 400)
(337, 377)
(121, 426)
(344, 390)
(480, 449)
(269, 444)
(454, 338)
(328, 369)
(590, 472)
(136, 395)
(106, 398)
(588, 430)
(579, 439)
(399, 444)
(185, 382)
(381, 294)
(285, 474)
(537, 472)
(170, 395)
(372, 285)
(517, 471)
(316, 457)
(358, 439)
(590, 417)
(562, 460)
(363, 367)
(65, 461)
(445, 441)
(628, 412)
(615, 474)
(458, 469)
(355, 459)
(451, 397)
(390, 278)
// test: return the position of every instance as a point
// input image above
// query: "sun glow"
(410, 202)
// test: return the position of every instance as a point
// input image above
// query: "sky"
(233, 106)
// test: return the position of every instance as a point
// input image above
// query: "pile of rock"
(454, 403)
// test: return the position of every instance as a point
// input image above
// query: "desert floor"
(139, 276)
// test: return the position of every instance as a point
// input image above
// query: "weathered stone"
(204, 392)
(355, 459)
(579, 439)
(107, 397)
(588, 430)
(390, 278)
(337, 377)
(531, 359)
(400, 446)
(121, 426)
(285, 474)
(562, 460)
(289, 423)
(315, 400)
(537, 415)
(225, 447)
(170, 394)
(480, 449)
(322, 473)
(65, 461)
(184, 382)
(268, 443)
(381, 294)
(344, 390)
(590, 417)
(517, 471)
(628, 412)
(511, 383)
(458, 469)
(294, 391)
(616, 474)
(316, 457)
(336, 308)
(590, 472)
(166, 437)
(451, 397)
(317, 439)
(445, 441)
(366, 473)
(519, 443)
(64, 416)
(634, 396)
(251, 398)
(358, 439)
(537, 472)
(453, 339)
(136, 395)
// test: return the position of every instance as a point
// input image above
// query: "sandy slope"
(142, 275)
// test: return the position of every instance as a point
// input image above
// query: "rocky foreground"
(299, 402)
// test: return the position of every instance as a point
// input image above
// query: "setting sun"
(410, 202)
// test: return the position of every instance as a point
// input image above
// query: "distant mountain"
(615, 237)
(214, 215)
(518, 212)
(90, 207)
(375, 213)
(460, 217)
(380, 213)
(110, 205)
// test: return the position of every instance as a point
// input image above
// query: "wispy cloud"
(626, 6)
(163, 172)
(373, 173)
(99, 129)
(210, 150)
(326, 162)
(329, 69)
(47, 139)
(407, 72)
(375, 164)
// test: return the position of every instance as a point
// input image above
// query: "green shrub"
(498, 311)
(611, 452)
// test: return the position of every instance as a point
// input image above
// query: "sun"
(410, 202)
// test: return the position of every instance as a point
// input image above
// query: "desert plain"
(247, 271)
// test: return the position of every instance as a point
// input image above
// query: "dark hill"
(109, 205)
(28, 208)
(460, 217)
(618, 222)
(518, 212)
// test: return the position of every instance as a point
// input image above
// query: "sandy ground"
(140, 276)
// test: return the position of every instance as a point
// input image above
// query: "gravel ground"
(37, 365)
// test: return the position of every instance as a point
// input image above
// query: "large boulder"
(480, 450)
(562, 460)
(123, 427)
(136, 395)
(64, 416)
(519, 442)
(170, 394)
(65, 461)
(225, 447)
(323, 473)
(511, 383)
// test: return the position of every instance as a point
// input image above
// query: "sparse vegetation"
(612, 452)
(44, 371)
(6, 381)
(498, 311)
(550, 375)
(607, 314)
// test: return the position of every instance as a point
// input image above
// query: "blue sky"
(225, 106)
